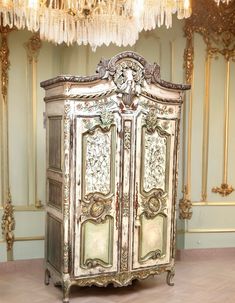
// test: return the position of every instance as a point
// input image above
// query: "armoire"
(112, 152)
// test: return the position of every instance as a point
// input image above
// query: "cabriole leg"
(47, 277)
(170, 276)
(66, 290)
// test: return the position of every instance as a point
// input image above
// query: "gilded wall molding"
(216, 26)
(32, 47)
(8, 223)
(5, 63)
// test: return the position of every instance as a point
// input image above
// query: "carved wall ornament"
(216, 25)
(185, 209)
(4, 56)
(223, 190)
(33, 47)
(154, 204)
(96, 206)
(8, 223)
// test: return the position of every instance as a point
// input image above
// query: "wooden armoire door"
(152, 222)
(97, 213)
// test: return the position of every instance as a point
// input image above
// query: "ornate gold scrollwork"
(154, 204)
(33, 47)
(223, 190)
(5, 63)
(185, 206)
(215, 24)
(8, 223)
(96, 206)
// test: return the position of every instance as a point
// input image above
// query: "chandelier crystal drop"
(223, 1)
(95, 22)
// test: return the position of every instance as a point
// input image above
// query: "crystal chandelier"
(95, 22)
(223, 1)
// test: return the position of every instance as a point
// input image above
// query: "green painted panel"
(97, 243)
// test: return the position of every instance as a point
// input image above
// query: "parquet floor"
(210, 280)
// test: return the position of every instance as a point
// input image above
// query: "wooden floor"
(207, 280)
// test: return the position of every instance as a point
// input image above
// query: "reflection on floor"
(202, 280)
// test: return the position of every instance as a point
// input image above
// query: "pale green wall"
(166, 47)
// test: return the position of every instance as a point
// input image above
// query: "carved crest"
(96, 206)
(155, 203)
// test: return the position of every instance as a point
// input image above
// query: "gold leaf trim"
(8, 223)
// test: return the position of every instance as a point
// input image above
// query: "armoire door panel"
(153, 192)
(97, 197)
(97, 243)
(152, 237)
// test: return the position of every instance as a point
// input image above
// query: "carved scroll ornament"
(8, 223)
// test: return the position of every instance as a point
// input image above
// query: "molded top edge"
(112, 69)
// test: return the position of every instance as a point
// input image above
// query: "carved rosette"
(154, 204)
(8, 223)
(96, 206)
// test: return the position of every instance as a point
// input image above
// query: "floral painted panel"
(98, 162)
(154, 161)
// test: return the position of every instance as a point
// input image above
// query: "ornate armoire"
(112, 148)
